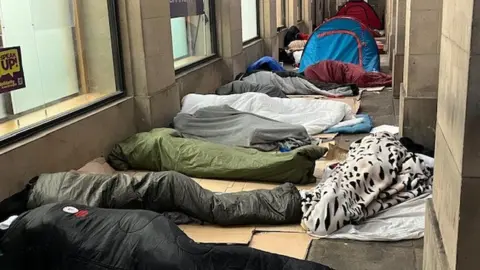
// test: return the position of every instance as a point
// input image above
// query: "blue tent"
(343, 39)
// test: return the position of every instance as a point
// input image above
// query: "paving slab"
(355, 255)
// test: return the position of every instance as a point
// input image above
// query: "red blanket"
(330, 71)
(303, 36)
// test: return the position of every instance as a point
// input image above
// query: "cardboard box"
(295, 245)
(219, 235)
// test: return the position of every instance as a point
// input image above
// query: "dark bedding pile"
(175, 195)
(76, 237)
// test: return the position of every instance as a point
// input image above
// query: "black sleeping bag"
(175, 195)
(74, 237)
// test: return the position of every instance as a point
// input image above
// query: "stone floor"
(344, 255)
(356, 255)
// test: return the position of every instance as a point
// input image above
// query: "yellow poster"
(11, 69)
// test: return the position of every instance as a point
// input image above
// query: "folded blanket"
(225, 125)
(166, 150)
(378, 174)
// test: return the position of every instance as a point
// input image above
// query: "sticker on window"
(11, 70)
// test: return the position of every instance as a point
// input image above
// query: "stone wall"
(153, 88)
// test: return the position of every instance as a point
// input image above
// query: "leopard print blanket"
(378, 173)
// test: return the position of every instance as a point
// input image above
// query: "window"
(300, 10)
(70, 59)
(250, 25)
(193, 31)
(281, 14)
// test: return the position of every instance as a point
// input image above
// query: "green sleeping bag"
(165, 150)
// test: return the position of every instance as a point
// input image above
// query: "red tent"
(361, 11)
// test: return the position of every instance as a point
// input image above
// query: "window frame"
(300, 10)
(258, 36)
(30, 130)
(283, 3)
(213, 36)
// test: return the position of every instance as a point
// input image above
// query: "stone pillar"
(399, 47)
(388, 18)
(229, 33)
(332, 8)
(148, 57)
(391, 35)
(292, 18)
(268, 27)
(456, 215)
(307, 15)
(418, 94)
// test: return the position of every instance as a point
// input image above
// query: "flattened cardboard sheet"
(97, 166)
(214, 185)
(325, 136)
(281, 228)
(219, 235)
(295, 245)
(336, 153)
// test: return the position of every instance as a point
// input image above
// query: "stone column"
(388, 18)
(307, 15)
(455, 215)
(292, 18)
(391, 32)
(332, 8)
(268, 27)
(148, 57)
(418, 94)
(229, 33)
(399, 47)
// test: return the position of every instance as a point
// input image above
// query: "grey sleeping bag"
(176, 195)
(240, 87)
(228, 126)
(294, 85)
